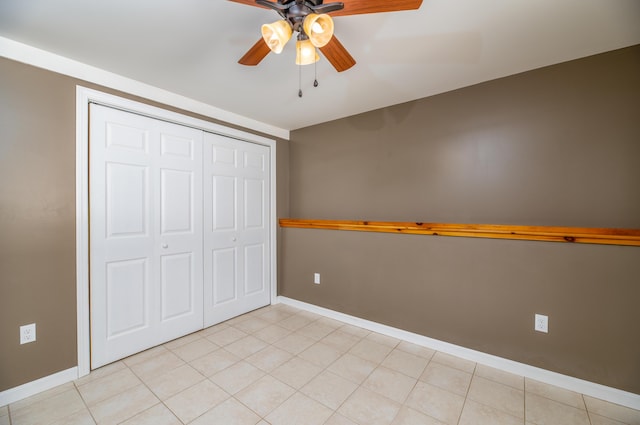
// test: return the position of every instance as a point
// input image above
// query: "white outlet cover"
(27, 333)
(316, 278)
(541, 323)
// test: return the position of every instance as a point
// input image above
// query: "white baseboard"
(592, 389)
(34, 387)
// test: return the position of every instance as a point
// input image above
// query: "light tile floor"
(282, 366)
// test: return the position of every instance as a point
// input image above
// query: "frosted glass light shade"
(276, 35)
(306, 53)
(319, 28)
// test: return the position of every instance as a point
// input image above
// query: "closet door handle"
(233, 239)
(165, 246)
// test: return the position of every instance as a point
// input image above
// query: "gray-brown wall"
(557, 146)
(37, 219)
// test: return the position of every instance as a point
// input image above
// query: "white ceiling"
(191, 48)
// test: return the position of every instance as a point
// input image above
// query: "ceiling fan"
(311, 19)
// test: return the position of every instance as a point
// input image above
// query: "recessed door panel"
(254, 278)
(178, 285)
(254, 203)
(177, 201)
(121, 136)
(127, 199)
(223, 203)
(254, 160)
(224, 276)
(126, 296)
(179, 147)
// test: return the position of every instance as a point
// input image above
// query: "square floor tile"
(269, 358)
(320, 354)
(407, 363)
(453, 361)
(296, 372)
(389, 383)
(352, 368)
(370, 350)
(246, 346)
(436, 402)
(417, 350)
(83, 417)
(409, 416)
(156, 365)
(214, 362)
(171, 383)
(294, 322)
(272, 333)
(316, 330)
(227, 336)
(299, 410)
(367, 407)
(237, 376)
(156, 415)
(338, 419)
(498, 396)
(195, 349)
(555, 393)
(496, 375)
(611, 410)
(329, 389)
(124, 405)
(196, 400)
(45, 409)
(475, 413)
(254, 324)
(229, 412)
(340, 340)
(264, 395)
(294, 343)
(108, 386)
(448, 378)
(543, 411)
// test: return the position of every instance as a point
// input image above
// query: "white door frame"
(84, 96)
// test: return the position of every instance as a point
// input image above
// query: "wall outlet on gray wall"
(541, 323)
(316, 278)
(27, 333)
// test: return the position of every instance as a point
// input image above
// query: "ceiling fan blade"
(255, 54)
(357, 7)
(335, 53)
(250, 3)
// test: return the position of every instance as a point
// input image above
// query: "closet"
(178, 230)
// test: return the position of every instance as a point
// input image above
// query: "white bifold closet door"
(159, 268)
(145, 232)
(236, 229)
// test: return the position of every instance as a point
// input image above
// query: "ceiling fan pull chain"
(299, 80)
(315, 74)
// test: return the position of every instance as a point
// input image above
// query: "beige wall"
(37, 219)
(555, 146)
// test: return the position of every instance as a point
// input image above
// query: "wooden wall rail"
(629, 237)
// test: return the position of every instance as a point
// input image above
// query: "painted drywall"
(557, 146)
(37, 218)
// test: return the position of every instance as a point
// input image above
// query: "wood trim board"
(603, 236)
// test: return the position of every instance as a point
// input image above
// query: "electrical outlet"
(541, 323)
(27, 333)
(316, 278)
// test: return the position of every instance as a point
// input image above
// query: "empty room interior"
(433, 220)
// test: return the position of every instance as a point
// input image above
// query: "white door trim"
(84, 96)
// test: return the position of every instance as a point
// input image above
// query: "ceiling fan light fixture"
(319, 28)
(276, 35)
(306, 53)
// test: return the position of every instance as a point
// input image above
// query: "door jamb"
(85, 96)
